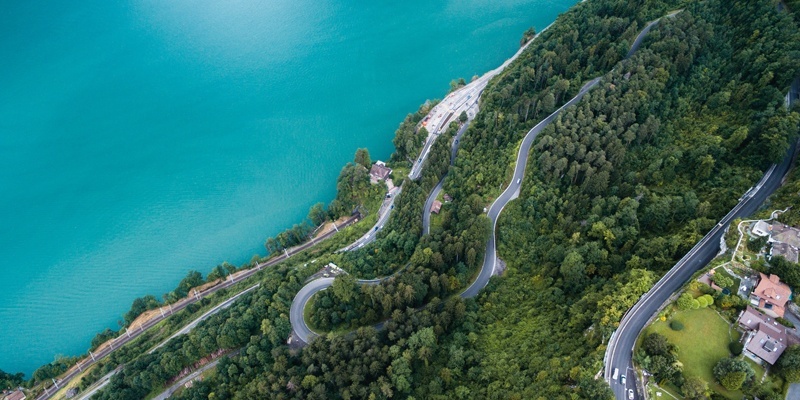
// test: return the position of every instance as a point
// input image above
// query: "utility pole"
(286, 252)
(90, 353)
(162, 311)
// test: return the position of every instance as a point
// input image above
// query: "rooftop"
(15, 395)
(784, 250)
(768, 343)
(772, 293)
(436, 206)
(379, 171)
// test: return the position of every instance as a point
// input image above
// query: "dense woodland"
(617, 189)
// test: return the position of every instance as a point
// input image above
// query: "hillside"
(617, 189)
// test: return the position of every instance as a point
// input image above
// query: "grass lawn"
(666, 393)
(703, 341)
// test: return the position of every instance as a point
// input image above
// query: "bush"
(675, 325)
(684, 302)
(785, 322)
(702, 301)
(695, 304)
(735, 348)
(733, 380)
(722, 280)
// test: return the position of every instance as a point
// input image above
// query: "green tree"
(657, 344)
(317, 214)
(789, 364)
(694, 388)
(362, 158)
(344, 288)
(733, 380)
(727, 365)
(685, 300)
(723, 281)
(463, 117)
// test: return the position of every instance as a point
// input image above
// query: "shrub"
(735, 348)
(702, 301)
(676, 325)
(723, 281)
(733, 380)
(684, 302)
(695, 304)
(785, 322)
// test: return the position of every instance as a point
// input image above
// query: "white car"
(630, 394)
(519, 180)
(622, 379)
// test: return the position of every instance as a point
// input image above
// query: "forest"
(617, 189)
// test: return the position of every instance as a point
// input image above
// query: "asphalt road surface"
(464, 99)
(512, 192)
(467, 95)
(426, 211)
(620, 347)
(186, 329)
(383, 217)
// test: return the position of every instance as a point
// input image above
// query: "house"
(761, 228)
(784, 250)
(447, 198)
(770, 295)
(15, 395)
(768, 342)
(379, 172)
(436, 206)
(764, 337)
(783, 233)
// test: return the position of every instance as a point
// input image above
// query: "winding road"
(426, 211)
(512, 192)
(300, 329)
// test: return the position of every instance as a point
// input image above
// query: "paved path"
(794, 392)
(101, 383)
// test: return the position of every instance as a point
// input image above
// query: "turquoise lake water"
(142, 139)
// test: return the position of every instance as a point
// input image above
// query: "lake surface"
(142, 139)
